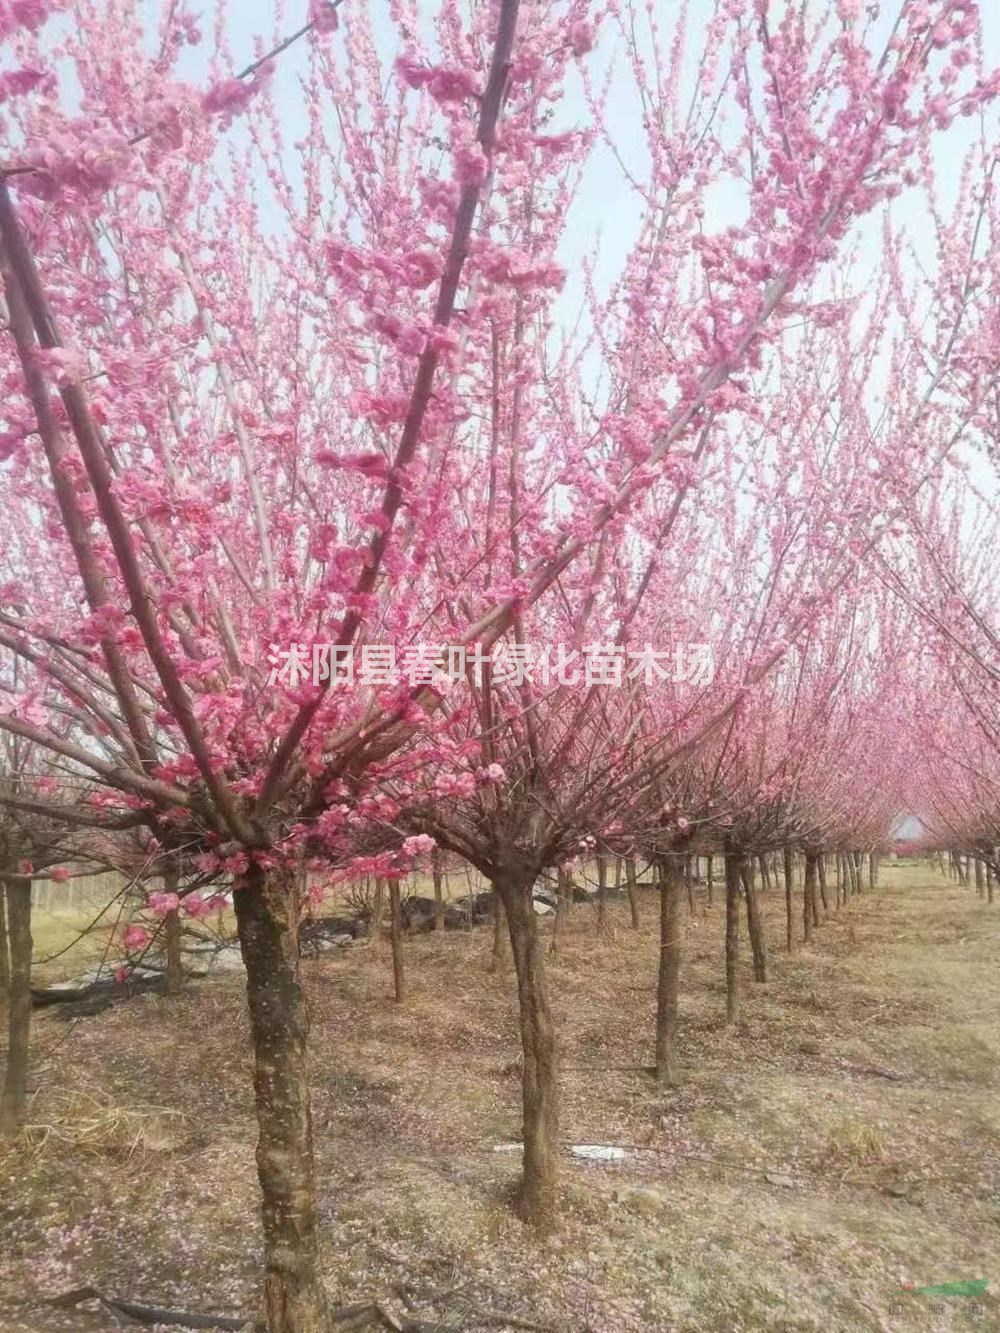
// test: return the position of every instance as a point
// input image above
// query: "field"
(842, 1142)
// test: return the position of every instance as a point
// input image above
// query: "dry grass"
(845, 1140)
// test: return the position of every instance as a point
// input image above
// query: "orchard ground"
(843, 1141)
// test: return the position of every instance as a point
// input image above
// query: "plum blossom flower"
(581, 37)
(418, 845)
(323, 16)
(135, 938)
(162, 903)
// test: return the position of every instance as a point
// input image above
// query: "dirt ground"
(843, 1142)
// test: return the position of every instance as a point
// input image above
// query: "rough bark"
(267, 916)
(14, 1097)
(668, 976)
(498, 952)
(396, 934)
(538, 1196)
(733, 861)
(755, 920)
(786, 856)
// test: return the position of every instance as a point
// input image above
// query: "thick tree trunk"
(438, 872)
(668, 976)
(633, 894)
(809, 896)
(755, 921)
(786, 856)
(540, 1081)
(267, 918)
(734, 866)
(872, 870)
(14, 1097)
(498, 953)
(396, 934)
(709, 875)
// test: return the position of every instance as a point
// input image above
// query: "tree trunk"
(821, 878)
(755, 921)
(379, 911)
(396, 934)
(14, 1098)
(540, 1081)
(809, 896)
(765, 873)
(786, 854)
(990, 881)
(872, 870)
(633, 895)
(602, 902)
(562, 890)
(668, 976)
(4, 956)
(498, 953)
(733, 861)
(437, 872)
(689, 884)
(267, 918)
(172, 931)
(709, 872)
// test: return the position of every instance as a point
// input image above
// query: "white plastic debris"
(598, 1152)
(508, 1147)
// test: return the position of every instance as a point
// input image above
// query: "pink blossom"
(419, 845)
(229, 97)
(59, 875)
(196, 907)
(471, 165)
(581, 37)
(135, 938)
(323, 16)
(162, 903)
